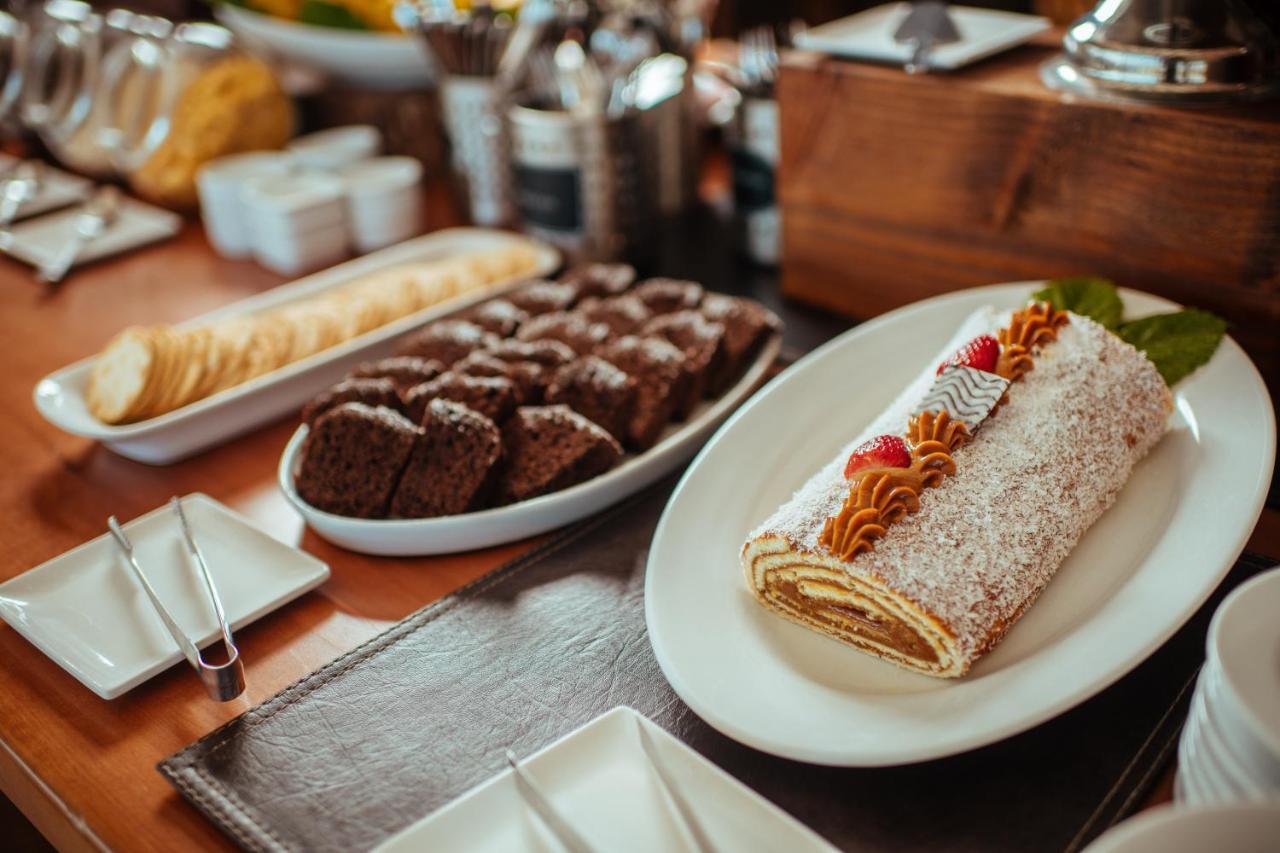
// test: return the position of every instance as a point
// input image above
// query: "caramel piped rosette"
(923, 547)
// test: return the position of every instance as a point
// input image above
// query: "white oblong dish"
(1134, 579)
(59, 397)
(421, 536)
(374, 59)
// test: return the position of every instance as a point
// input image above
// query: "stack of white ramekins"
(310, 206)
(1227, 792)
(1230, 747)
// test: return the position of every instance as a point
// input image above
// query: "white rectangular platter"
(600, 782)
(174, 436)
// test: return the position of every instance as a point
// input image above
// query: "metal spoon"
(91, 223)
(22, 186)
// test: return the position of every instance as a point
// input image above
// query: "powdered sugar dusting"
(1037, 475)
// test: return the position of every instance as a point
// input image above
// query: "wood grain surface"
(897, 187)
(83, 769)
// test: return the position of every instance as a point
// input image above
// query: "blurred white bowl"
(375, 60)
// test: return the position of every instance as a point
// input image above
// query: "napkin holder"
(896, 187)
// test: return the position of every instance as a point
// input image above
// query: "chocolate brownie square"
(747, 324)
(492, 396)
(664, 295)
(578, 334)
(543, 297)
(404, 370)
(657, 367)
(498, 316)
(549, 448)
(453, 465)
(622, 314)
(701, 341)
(447, 341)
(352, 459)
(378, 391)
(598, 391)
(527, 377)
(600, 280)
(547, 353)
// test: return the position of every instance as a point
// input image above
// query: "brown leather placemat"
(413, 718)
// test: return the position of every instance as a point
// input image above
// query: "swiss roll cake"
(934, 530)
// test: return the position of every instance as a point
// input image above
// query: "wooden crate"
(894, 188)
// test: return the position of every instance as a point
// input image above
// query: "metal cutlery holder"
(473, 110)
(581, 180)
(754, 147)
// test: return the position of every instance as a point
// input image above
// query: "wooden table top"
(83, 769)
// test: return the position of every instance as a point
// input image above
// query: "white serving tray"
(600, 782)
(1136, 577)
(87, 613)
(419, 536)
(178, 434)
(869, 35)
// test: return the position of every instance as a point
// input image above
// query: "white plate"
(418, 536)
(869, 35)
(599, 780)
(1169, 829)
(88, 614)
(378, 60)
(180, 433)
(1137, 575)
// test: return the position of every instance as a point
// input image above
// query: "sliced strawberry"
(883, 451)
(981, 353)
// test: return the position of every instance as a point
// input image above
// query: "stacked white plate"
(1230, 747)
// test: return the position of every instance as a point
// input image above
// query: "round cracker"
(120, 375)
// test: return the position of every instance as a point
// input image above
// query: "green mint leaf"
(1088, 296)
(323, 14)
(1176, 343)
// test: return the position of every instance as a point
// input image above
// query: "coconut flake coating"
(1038, 473)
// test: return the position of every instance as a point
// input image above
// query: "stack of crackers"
(148, 371)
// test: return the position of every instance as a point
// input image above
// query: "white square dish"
(58, 188)
(86, 612)
(869, 35)
(599, 780)
(39, 241)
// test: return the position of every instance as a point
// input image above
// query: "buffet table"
(84, 770)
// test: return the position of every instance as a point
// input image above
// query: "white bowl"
(219, 183)
(337, 147)
(375, 60)
(1244, 643)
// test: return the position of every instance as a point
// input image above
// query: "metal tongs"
(224, 681)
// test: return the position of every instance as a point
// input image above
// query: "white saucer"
(1171, 829)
